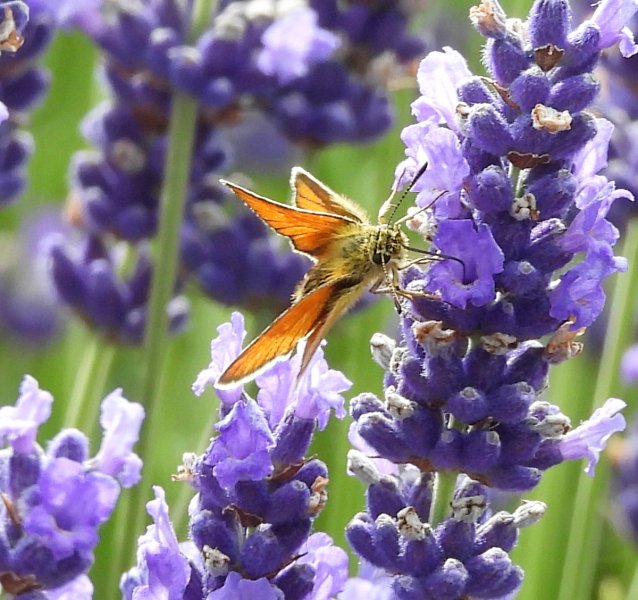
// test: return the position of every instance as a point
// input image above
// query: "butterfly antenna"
(395, 205)
(422, 209)
(434, 256)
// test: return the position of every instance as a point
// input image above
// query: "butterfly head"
(389, 246)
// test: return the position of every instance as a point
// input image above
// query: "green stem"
(88, 385)
(633, 586)
(181, 137)
(444, 483)
(587, 522)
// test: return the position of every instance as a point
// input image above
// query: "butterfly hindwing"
(310, 194)
(280, 338)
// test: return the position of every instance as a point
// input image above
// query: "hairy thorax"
(363, 255)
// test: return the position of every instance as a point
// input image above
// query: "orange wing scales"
(309, 232)
(305, 316)
(310, 194)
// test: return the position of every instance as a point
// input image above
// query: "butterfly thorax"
(361, 256)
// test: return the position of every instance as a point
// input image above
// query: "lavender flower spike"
(55, 500)
(162, 570)
(520, 223)
(257, 493)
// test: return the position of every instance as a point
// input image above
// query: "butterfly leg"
(378, 288)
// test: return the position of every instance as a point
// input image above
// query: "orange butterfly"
(350, 254)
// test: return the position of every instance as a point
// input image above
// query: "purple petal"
(579, 296)
(589, 438)
(293, 43)
(81, 14)
(121, 421)
(166, 570)
(329, 562)
(372, 583)
(223, 350)
(236, 587)
(473, 281)
(319, 391)
(590, 229)
(19, 424)
(79, 588)
(313, 395)
(446, 172)
(241, 451)
(612, 17)
(439, 76)
(68, 505)
(592, 157)
(277, 388)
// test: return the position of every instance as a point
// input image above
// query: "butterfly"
(350, 254)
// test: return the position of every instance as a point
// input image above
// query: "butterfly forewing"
(309, 232)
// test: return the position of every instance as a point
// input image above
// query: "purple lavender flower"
(466, 554)
(293, 44)
(257, 492)
(55, 500)
(617, 102)
(29, 311)
(589, 438)
(371, 583)
(245, 63)
(517, 212)
(87, 280)
(80, 588)
(25, 33)
(162, 568)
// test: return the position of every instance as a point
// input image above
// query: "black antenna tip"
(417, 176)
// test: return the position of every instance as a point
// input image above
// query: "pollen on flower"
(399, 407)
(468, 509)
(319, 496)
(410, 526)
(10, 39)
(563, 345)
(185, 471)
(524, 208)
(433, 336)
(498, 343)
(551, 120)
(382, 347)
(489, 18)
(215, 561)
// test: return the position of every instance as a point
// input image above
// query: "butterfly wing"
(310, 232)
(310, 194)
(306, 316)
